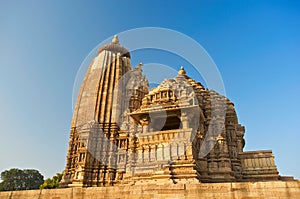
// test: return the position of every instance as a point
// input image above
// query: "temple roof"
(181, 78)
(178, 92)
(115, 46)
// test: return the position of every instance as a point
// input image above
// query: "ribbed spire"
(115, 47)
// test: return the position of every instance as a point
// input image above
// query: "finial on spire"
(181, 71)
(140, 65)
(115, 40)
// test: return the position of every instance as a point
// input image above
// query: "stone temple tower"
(179, 132)
(91, 157)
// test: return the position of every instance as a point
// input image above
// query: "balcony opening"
(171, 123)
(163, 124)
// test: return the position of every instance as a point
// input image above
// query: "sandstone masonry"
(179, 133)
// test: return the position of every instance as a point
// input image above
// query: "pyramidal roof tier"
(192, 82)
(115, 46)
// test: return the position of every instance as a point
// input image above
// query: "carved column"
(184, 120)
(145, 125)
(174, 150)
(166, 152)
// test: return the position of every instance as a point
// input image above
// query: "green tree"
(52, 183)
(17, 179)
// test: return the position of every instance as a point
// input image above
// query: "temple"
(122, 132)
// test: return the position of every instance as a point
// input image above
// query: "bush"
(52, 183)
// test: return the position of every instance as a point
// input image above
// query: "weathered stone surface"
(242, 190)
(177, 133)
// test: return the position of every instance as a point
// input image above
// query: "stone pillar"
(181, 150)
(174, 150)
(145, 125)
(140, 155)
(184, 120)
(152, 153)
(166, 152)
(160, 155)
(147, 154)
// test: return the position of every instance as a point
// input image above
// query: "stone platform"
(242, 190)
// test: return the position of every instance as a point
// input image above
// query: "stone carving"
(178, 132)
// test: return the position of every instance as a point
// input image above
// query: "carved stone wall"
(258, 165)
(177, 133)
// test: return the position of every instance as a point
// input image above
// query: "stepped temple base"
(249, 190)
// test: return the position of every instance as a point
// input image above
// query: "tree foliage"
(52, 183)
(17, 179)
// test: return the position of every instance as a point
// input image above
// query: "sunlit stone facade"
(178, 132)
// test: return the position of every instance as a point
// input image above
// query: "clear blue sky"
(255, 44)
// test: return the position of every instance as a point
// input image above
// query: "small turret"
(181, 71)
(115, 40)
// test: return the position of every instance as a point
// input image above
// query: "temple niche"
(179, 132)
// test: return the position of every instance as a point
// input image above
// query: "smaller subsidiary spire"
(115, 40)
(140, 65)
(181, 71)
